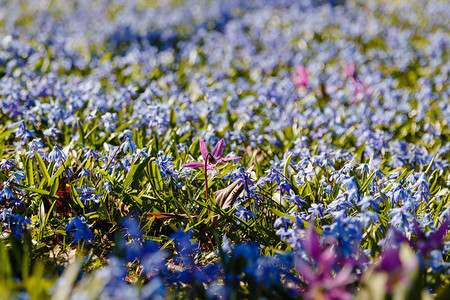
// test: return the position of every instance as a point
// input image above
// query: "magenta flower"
(302, 78)
(426, 244)
(211, 160)
(360, 87)
(322, 282)
(350, 70)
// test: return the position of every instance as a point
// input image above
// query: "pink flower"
(322, 282)
(350, 70)
(302, 78)
(211, 160)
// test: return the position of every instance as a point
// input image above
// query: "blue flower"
(140, 153)
(91, 153)
(316, 210)
(35, 145)
(400, 218)
(56, 156)
(79, 230)
(6, 193)
(132, 228)
(84, 172)
(52, 132)
(154, 289)
(369, 202)
(165, 165)
(128, 144)
(284, 187)
(18, 224)
(7, 164)
(243, 213)
(283, 222)
(17, 176)
(86, 194)
(108, 186)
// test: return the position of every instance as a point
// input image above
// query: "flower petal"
(218, 149)
(203, 149)
(227, 159)
(194, 165)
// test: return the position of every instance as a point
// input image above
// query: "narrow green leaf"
(54, 187)
(29, 172)
(136, 174)
(156, 176)
(36, 190)
(365, 186)
(59, 172)
(81, 133)
(42, 168)
(286, 166)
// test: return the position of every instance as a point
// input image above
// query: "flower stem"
(206, 182)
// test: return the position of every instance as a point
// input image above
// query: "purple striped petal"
(194, 165)
(203, 149)
(228, 158)
(218, 149)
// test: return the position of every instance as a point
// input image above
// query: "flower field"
(234, 149)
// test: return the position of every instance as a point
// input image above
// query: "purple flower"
(424, 243)
(211, 159)
(398, 271)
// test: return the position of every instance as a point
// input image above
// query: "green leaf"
(59, 171)
(364, 187)
(444, 294)
(6, 274)
(173, 118)
(360, 151)
(29, 172)
(286, 166)
(156, 176)
(54, 187)
(82, 133)
(36, 190)
(136, 174)
(429, 166)
(282, 214)
(404, 175)
(42, 168)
